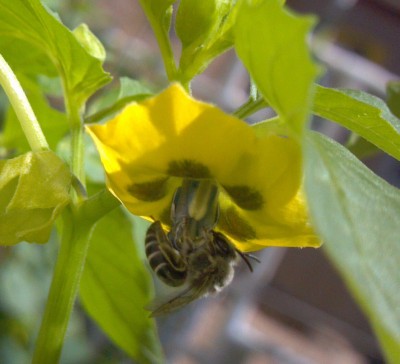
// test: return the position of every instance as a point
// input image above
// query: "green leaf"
(195, 19)
(90, 42)
(272, 44)
(157, 9)
(205, 31)
(393, 97)
(362, 113)
(361, 148)
(130, 91)
(35, 60)
(356, 213)
(34, 189)
(94, 170)
(159, 14)
(27, 22)
(53, 123)
(115, 287)
(133, 88)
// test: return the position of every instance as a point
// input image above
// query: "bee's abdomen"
(164, 260)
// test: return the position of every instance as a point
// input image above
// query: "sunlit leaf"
(29, 22)
(357, 213)
(35, 60)
(90, 42)
(272, 44)
(34, 189)
(115, 287)
(205, 30)
(362, 113)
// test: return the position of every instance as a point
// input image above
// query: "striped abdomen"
(165, 261)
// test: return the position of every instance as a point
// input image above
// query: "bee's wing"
(180, 298)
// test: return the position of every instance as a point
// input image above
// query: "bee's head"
(223, 247)
(212, 266)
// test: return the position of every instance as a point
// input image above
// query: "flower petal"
(150, 147)
(163, 139)
(287, 226)
(269, 176)
(261, 206)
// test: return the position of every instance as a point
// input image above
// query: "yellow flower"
(150, 147)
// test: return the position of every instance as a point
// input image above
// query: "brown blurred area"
(294, 308)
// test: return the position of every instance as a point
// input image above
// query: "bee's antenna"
(251, 256)
(245, 257)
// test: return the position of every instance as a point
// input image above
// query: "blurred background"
(294, 308)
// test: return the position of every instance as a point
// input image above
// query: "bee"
(205, 266)
(192, 256)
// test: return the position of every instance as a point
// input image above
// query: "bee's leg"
(216, 218)
(165, 261)
(172, 270)
(180, 202)
(194, 213)
(174, 204)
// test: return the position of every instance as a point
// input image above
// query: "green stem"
(166, 51)
(63, 289)
(98, 205)
(77, 144)
(160, 30)
(77, 164)
(250, 107)
(75, 119)
(75, 239)
(22, 108)
(76, 229)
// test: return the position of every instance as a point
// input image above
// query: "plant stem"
(74, 115)
(77, 164)
(166, 51)
(99, 205)
(22, 108)
(63, 289)
(75, 239)
(76, 230)
(250, 107)
(77, 144)
(160, 30)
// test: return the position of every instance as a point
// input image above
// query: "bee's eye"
(221, 244)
